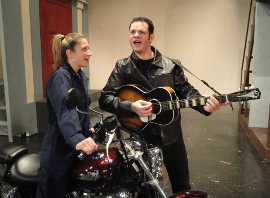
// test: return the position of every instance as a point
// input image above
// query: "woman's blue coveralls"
(66, 129)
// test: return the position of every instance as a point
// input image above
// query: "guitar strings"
(182, 103)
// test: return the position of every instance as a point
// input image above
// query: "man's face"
(139, 38)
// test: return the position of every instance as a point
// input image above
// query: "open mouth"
(136, 42)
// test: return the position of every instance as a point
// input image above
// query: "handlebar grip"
(95, 137)
(82, 154)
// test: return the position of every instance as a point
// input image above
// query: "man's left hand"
(213, 104)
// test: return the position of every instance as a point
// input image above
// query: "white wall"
(259, 109)
(207, 36)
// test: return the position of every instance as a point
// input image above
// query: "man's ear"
(152, 36)
(69, 53)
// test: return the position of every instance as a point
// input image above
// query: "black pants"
(175, 160)
(53, 175)
(53, 184)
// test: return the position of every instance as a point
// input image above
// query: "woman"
(68, 130)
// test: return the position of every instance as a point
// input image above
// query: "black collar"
(157, 57)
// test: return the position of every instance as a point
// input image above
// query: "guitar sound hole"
(155, 106)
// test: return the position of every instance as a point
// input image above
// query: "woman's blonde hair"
(61, 43)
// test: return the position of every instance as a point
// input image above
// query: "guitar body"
(134, 93)
(165, 104)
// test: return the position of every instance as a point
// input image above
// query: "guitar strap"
(177, 62)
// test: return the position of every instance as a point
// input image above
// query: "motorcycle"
(130, 169)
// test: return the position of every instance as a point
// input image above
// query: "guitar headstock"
(250, 94)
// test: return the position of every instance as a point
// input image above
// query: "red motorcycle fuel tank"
(96, 170)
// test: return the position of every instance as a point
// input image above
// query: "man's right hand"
(142, 108)
(87, 145)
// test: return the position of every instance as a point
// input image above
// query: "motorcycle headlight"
(158, 173)
(155, 157)
(156, 160)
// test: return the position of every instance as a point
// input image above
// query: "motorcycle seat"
(10, 152)
(24, 170)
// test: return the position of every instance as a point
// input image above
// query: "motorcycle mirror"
(71, 101)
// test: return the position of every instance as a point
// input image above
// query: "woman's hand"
(87, 145)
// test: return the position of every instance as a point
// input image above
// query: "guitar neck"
(187, 103)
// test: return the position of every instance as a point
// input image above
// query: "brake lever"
(111, 135)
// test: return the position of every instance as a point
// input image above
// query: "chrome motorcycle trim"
(156, 161)
(98, 156)
(157, 173)
(134, 148)
(138, 156)
(91, 176)
(122, 193)
(86, 195)
(135, 167)
(125, 194)
(111, 135)
(155, 157)
(152, 180)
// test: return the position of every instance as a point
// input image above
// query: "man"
(148, 68)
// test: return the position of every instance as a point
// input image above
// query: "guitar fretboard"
(186, 103)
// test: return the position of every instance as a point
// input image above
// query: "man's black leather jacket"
(162, 72)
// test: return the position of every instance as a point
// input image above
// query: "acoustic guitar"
(166, 105)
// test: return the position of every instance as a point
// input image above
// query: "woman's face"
(79, 57)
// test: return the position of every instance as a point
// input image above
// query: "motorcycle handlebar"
(82, 154)
(107, 125)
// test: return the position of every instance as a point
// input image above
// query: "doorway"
(55, 18)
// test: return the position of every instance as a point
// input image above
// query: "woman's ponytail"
(56, 48)
(60, 44)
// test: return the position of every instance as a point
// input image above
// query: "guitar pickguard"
(150, 118)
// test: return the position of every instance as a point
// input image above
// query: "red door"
(55, 17)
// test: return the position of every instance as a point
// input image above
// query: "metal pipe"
(245, 45)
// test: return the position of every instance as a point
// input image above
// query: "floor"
(222, 161)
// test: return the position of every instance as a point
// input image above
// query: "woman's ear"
(69, 53)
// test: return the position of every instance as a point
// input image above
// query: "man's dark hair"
(146, 20)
